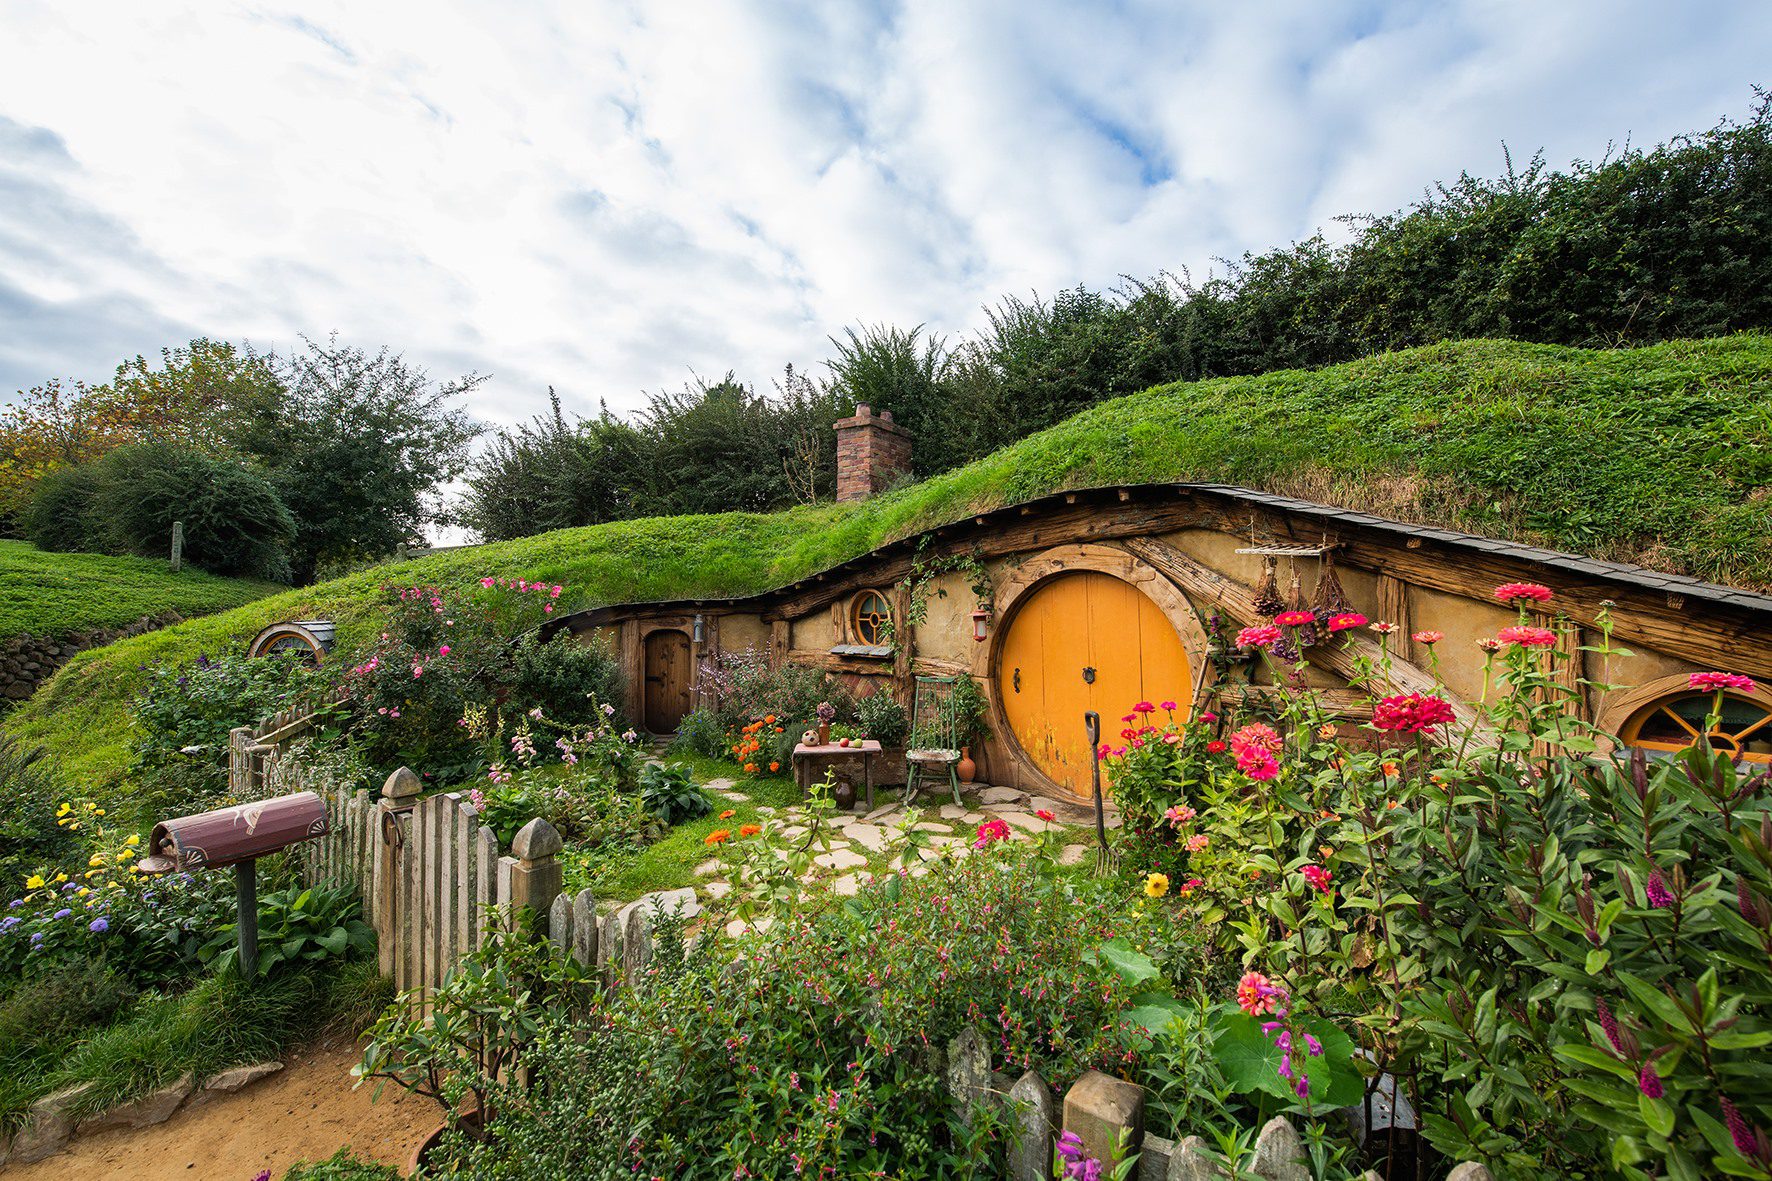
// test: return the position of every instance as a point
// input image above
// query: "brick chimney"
(872, 452)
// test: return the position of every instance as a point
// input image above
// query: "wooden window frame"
(1630, 733)
(881, 620)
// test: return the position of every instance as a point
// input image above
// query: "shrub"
(183, 718)
(29, 835)
(297, 927)
(743, 688)
(701, 732)
(817, 1044)
(882, 718)
(40, 1017)
(341, 1166)
(568, 678)
(63, 515)
(671, 795)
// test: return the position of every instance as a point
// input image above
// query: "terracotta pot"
(470, 1122)
(843, 794)
(966, 768)
(824, 734)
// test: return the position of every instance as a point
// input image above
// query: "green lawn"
(55, 594)
(1660, 455)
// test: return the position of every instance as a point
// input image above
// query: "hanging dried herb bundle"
(1267, 595)
(1330, 599)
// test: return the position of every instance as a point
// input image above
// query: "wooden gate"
(667, 680)
(1083, 641)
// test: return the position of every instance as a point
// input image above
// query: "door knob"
(1089, 676)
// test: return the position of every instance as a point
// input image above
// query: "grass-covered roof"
(1660, 456)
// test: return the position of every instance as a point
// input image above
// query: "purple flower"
(70, 887)
(37, 938)
(15, 904)
(8, 923)
(1655, 890)
(62, 913)
(1649, 1082)
(99, 927)
(1313, 1045)
(1739, 1132)
(1608, 1023)
(1303, 1087)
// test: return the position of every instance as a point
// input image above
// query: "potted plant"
(827, 713)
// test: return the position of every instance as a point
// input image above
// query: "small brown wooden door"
(667, 680)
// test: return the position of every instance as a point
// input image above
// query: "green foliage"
(702, 732)
(342, 1165)
(297, 927)
(882, 718)
(1646, 454)
(29, 792)
(60, 594)
(63, 515)
(182, 721)
(356, 444)
(672, 795)
(567, 677)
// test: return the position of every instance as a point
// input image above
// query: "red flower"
(1411, 713)
(1144, 707)
(1043, 814)
(1528, 636)
(1428, 638)
(1346, 620)
(1295, 618)
(990, 831)
(1319, 879)
(1256, 734)
(1717, 682)
(1258, 637)
(1518, 592)
(1215, 747)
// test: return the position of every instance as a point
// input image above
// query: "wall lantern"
(981, 618)
(700, 630)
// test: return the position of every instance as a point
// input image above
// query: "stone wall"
(26, 661)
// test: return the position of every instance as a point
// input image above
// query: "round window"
(1744, 728)
(871, 617)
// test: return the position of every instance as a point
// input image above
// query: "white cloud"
(608, 197)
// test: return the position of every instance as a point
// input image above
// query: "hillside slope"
(49, 594)
(1661, 456)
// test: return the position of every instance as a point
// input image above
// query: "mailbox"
(229, 836)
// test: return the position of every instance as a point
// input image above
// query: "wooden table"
(806, 758)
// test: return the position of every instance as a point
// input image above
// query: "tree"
(357, 447)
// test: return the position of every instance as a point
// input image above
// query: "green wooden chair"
(933, 745)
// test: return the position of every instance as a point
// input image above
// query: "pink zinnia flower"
(1717, 682)
(443, 651)
(1258, 764)
(1179, 814)
(1215, 747)
(1489, 644)
(1527, 636)
(1345, 620)
(418, 670)
(1197, 842)
(1256, 734)
(1428, 638)
(1295, 618)
(1258, 637)
(990, 831)
(1168, 705)
(1517, 592)
(1411, 713)
(1385, 629)
(1144, 707)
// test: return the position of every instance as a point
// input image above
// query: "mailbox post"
(237, 836)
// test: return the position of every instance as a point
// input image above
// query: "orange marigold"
(728, 814)
(775, 766)
(750, 830)
(718, 836)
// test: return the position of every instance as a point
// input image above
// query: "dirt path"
(304, 1112)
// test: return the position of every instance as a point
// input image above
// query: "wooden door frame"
(1012, 591)
(646, 638)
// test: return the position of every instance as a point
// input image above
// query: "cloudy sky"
(610, 197)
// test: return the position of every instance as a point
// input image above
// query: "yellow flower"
(60, 878)
(34, 882)
(82, 892)
(62, 811)
(98, 811)
(1156, 885)
(96, 860)
(93, 873)
(135, 838)
(125, 855)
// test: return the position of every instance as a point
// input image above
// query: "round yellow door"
(1078, 642)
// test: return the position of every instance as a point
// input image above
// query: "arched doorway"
(667, 680)
(1083, 640)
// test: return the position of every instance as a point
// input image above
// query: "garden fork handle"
(1092, 722)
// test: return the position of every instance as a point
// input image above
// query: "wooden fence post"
(397, 797)
(538, 876)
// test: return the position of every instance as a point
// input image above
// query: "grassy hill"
(1659, 455)
(56, 594)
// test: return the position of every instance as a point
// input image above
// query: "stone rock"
(792, 831)
(240, 1076)
(1153, 1158)
(952, 812)
(840, 859)
(710, 866)
(868, 837)
(153, 1108)
(718, 889)
(968, 1074)
(1189, 1162)
(48, 1125)
(1470, 1171)
(1279, 1153)
(1098, 1107)
(1001, 795)
(720, 784)
(934, 826)
(1032, 1114)
(735, 795)
(765, 810)
(879, 815)
(846, 886)
(1046, 803)
(662, 902)
(1023, 821)
(1072, 854)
